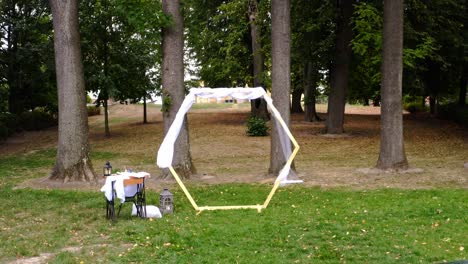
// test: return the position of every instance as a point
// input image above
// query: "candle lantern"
(166, 202)
(107, 170)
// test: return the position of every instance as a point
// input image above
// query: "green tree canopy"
(26, 56)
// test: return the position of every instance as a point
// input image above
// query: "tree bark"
(309, 94)
(258, 107)
(281, 76)
(463, 84)
(173, 86)
(296, 106)
(433, 105)
(340, 69)
(106, 115)
(72, 163)
(106, 71)
(145, 120)
(392, 151)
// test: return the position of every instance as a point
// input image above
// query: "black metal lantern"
(166, 202)
(107, 170)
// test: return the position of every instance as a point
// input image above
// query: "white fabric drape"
(166, 150)
(120, 190)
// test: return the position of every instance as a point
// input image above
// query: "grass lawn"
(417, 218)
(302, 225)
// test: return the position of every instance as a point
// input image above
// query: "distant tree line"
(346, 51)
(121, 43)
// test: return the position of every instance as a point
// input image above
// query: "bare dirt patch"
(223, 153)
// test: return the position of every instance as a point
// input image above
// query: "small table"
(127, 186)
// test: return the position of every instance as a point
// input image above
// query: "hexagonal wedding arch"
(166, 150)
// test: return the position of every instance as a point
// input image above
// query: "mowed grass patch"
(15, 169)
(301, 225)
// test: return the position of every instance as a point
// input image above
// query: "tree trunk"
(296, 106)
(433, 105)
(258, 107)
(106, 115)
(340, 69)
(173, 86)
(72, 163)
(106, 71)
(309, 94)
(145, 120)
(392, 150)
(463, 84)
(281, 76)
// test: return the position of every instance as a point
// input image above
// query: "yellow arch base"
(275, 186)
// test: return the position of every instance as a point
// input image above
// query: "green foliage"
(36, 120)
(219, 40)
(423, 50)
(27, 72)
(422, 44)
(367, 52)
(121, 43)
(4, 132)
(8, 125)
(438, 30)
(414, 107)
(414, 104)
(454, 112)
(166, 103)
(4, 94)
(93, 110)
(88, 99)
(312, 24)
(31, 120)
(256, 127)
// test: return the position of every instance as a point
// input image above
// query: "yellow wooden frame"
(273, 190)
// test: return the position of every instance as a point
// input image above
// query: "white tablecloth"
(120, 190)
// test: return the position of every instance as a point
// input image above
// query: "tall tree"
(26, 56)
(173, 91)
(72, 163)
(121, 43)
(258, 106)
(444, 24)
(312, 46)
(310, 82)
(219, 41)
(392, 151)
(339, 72)
(281, 76)
(463, 85)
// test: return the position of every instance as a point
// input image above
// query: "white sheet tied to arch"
(166, 150)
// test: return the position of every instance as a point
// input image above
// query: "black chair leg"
(110, 212)
(141, 200)
(120, 207)
(143, 205)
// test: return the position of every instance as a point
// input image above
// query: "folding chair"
(138, 198)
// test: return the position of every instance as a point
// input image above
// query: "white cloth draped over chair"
(120, 190)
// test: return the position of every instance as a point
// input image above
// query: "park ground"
(345, 212)
(222, 153)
